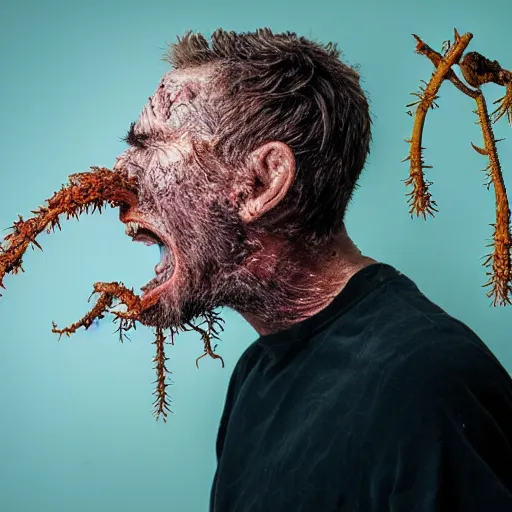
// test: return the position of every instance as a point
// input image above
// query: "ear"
(273, 168)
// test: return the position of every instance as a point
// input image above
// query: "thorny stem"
(85, 190)
(505, 106)
(95, 189)
(161, 403)
(424, 49)
(500, 278)
(211, 333)
(111, 292)
(420, 198)
(477, 70)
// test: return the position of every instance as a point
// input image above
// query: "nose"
(118, 166)
(126, 164)
(130, 200)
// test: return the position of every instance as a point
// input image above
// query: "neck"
(308, 279)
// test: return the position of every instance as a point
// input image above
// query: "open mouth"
(140, 231)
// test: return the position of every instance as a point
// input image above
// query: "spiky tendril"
(96, 189)
(477, 70)
(113, 294)
(89, 189)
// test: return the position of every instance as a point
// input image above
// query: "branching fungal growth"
(96, 189)
(476, 70)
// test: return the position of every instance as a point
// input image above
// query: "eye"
(136, 140)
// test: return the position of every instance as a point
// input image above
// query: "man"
(360, 394)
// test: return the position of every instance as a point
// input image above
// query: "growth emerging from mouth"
(165, 269)
(96, 189)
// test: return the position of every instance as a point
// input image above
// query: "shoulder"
(408, 341)
(447, 377)
(249, 356)
(246, 362)
(440, 418)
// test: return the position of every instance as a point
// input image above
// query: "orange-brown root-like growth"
(89, 189)
(476, 70)
(96, 189)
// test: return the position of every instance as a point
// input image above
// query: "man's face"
(183, 203)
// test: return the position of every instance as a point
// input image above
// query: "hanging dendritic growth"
(476, 70)
(95, 190)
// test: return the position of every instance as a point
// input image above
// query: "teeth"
(165, 267)
(132, 228)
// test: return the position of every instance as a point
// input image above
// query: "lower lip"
(151, 297)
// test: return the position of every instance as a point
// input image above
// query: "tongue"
(145, 238)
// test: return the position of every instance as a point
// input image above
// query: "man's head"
(248, 150)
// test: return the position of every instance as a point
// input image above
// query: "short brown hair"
(288, 88)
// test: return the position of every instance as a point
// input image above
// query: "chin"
(157, 316)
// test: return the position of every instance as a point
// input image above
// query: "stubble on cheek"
(189, 208)
(209, 241)
(189, 199)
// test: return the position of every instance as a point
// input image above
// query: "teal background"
(76, 431)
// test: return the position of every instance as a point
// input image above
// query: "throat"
(293, 284)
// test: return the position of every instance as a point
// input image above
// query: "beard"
(209, 250)
(212, 246)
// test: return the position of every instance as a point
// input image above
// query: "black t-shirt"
(381, 402)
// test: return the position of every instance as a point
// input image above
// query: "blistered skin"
(188, 202)
(193, 200)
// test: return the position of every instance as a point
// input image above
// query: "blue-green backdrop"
(76, 431)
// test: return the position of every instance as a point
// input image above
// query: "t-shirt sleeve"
(440, 435)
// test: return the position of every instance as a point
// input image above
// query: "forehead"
(169, 106)
(199, 76)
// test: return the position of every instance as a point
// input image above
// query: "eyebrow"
(137, 140)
